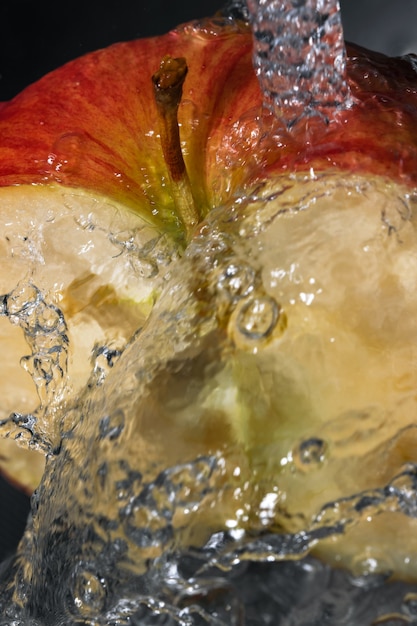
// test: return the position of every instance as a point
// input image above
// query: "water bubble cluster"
(254, 315)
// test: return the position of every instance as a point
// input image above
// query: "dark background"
(37, 36)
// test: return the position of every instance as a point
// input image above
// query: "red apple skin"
(93, 123)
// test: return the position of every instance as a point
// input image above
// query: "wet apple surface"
(250, 377)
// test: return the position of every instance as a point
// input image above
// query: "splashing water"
(45, 332)
(299, 57)
(149, 513)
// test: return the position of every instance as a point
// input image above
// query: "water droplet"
(236, 10)
(89, 593)
(237, 281)
(257, 318)
(403, 489)
(65, 155)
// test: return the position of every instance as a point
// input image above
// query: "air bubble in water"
(89, 593)
(257, 317)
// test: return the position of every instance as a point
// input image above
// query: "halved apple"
(294, 298)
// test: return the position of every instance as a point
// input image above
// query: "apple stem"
(168, 82)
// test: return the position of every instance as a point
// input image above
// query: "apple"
(262, 279)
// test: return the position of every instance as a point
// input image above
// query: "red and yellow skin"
(93, 123)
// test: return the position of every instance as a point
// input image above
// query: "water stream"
(300, 57)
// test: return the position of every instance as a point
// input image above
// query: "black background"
(37, 36)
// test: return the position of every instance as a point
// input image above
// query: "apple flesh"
(326, 220)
